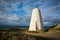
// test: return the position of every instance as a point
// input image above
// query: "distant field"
(7, 27)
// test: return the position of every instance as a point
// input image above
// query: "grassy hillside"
(18, 35)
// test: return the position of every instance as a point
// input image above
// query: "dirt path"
(55, 35)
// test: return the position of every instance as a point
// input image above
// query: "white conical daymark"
(36, 20)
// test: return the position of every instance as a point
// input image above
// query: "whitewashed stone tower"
(36, 20)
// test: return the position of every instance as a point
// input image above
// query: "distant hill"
(55, 27)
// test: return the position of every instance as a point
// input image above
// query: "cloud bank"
(18, 12)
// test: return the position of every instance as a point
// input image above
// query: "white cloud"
(48, 23)
(1, 16)
(51, 9)
(27, 9)
(13, 17)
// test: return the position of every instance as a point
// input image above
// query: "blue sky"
(18, 12)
